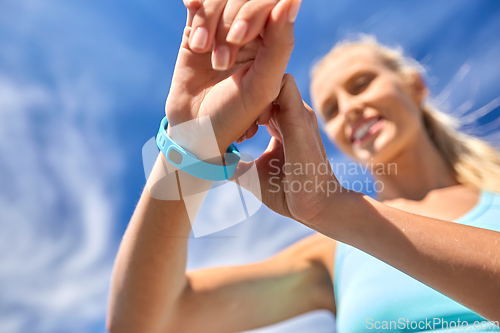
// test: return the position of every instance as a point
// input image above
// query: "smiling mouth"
(367, 130)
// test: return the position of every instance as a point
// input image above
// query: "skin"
(363, 87)
(151, 290)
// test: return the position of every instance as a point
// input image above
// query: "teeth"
(364, 129)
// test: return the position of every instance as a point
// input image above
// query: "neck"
(416, 171)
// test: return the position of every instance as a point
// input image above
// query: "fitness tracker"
(190, 164)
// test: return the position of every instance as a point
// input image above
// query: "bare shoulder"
(449, 203)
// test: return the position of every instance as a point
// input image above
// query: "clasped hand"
(230, 67)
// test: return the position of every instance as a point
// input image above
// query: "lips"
(366, 128)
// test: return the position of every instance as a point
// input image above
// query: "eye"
(360, 83)
(331, 111)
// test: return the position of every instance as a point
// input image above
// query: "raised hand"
(236, 97)
(296, 179)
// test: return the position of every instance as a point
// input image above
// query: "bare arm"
(233, 299)
(460, 261)
(148, 276)
(151, 291)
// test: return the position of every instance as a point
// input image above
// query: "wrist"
(164, 185)
(339, 219)
(197, 137)
(208, 164)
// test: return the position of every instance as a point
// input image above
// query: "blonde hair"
(473, 161)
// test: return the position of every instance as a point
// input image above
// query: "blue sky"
(82, 88)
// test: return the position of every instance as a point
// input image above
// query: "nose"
(351, 107)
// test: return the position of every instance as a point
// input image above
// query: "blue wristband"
(190, 164)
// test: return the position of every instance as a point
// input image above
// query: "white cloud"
(56, 213)
(57, 166)
(63, 70)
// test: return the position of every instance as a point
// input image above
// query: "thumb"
(298, 126)
(278, 43)
(268, 169)
(267, 162)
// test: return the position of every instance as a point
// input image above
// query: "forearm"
(461, 262)
(149, 273)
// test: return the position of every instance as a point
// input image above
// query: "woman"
(373, 104)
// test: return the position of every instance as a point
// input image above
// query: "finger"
(265, 116)
(292, 116)
(266, 166)
(249, 51)
(266, 74)
(254, 128)
(224, 54)
(274, 133)
(315, 122)
(249, 133)
(205, 22)
(273, 143)
(192, 6)
(272, 126)
(274, 151)
(241, 138)
(269, 165)
(244, 27)
(250, 21)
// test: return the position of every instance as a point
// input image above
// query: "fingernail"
(294, 10)
(220, 58)
(199, 39)
(237, 32)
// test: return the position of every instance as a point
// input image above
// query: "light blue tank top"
(374, 296)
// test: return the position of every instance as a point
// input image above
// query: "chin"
(383, 150)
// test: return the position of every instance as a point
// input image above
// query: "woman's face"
(370, 112)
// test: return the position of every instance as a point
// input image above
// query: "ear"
(419, 90)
